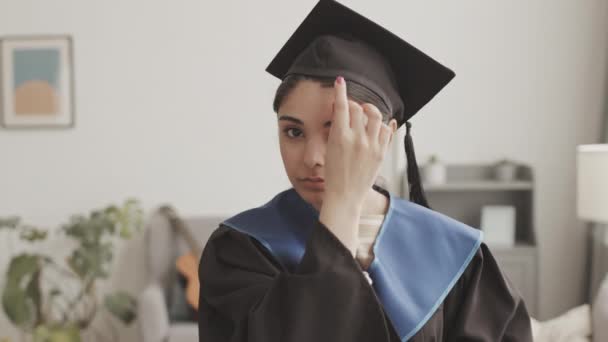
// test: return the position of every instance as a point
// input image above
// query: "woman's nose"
(315, 153)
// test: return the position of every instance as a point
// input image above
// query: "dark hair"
(354, 91)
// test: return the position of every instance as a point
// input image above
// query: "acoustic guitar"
(187, 264)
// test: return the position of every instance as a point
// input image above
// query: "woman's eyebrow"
(298, 121)
(291, 118)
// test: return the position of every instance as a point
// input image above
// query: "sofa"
(162, 308)
(584, 323)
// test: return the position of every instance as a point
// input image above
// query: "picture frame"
(36, 82)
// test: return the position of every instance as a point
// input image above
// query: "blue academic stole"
(419, 254)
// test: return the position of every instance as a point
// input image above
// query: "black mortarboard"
(334, 40)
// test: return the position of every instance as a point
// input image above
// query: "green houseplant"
(33, 295)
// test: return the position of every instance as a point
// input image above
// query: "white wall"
(173, 104)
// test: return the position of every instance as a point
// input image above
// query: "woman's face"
(304, 121)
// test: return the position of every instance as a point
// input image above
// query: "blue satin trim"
(419, 254)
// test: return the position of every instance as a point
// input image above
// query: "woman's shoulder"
(483, 305)
(225, 238)
(431, 225)
(234, 247)
(483, 277)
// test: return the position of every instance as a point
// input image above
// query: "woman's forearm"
(341, 216)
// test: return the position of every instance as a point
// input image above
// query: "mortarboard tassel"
(413, 176)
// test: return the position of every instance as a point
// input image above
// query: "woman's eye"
(295, 133)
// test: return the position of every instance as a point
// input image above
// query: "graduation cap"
(334, 40)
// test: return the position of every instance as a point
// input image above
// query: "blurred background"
(168, 102)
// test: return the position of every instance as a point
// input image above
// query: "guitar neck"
(190, 240)
(178, 224)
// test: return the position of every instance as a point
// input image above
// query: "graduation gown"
(276, 273)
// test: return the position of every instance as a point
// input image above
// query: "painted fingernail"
(340, 79)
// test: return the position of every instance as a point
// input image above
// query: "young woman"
(337, 257)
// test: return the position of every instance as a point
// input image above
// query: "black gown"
(246, 295)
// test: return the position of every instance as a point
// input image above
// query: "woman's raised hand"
(357, 143)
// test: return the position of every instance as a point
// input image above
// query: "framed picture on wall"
(36, 82)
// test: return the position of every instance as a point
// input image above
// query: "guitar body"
(187, 265)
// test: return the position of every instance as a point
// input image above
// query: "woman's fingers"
(374, 120)
(363, 120)
(340, 118)
(384, 136)
(357, 117)
(356, 146)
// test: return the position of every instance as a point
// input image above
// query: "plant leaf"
(11, 222)
(32, 234)
(21, 297)
(93, 260)
(122, 305)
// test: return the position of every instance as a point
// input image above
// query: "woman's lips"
(314, 183)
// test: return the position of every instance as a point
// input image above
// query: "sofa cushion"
(183, 332)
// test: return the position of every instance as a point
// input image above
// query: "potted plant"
(33, 295)
(505, 170)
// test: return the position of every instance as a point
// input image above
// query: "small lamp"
(592, 183)
(592, 203)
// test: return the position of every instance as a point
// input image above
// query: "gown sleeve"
(246, 295)
(484, 305)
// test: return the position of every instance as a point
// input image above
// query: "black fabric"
(417, 194)
(247, 296)
(334, 41)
